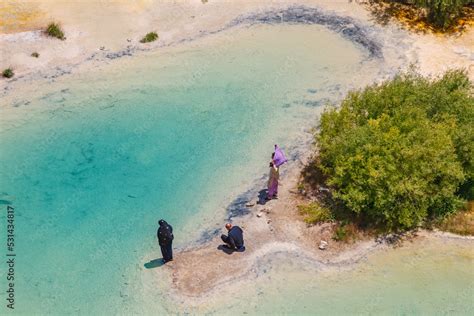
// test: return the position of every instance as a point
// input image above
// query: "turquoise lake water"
(94, 159)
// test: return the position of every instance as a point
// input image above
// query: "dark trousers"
(231, 243)
(228, 241)
(167, 252)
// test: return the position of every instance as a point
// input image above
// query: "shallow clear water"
(97, 157)
(427, 277)
(101, 155)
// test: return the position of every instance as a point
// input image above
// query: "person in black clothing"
(235, 238)
(165, 240)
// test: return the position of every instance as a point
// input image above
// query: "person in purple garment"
(272, 192)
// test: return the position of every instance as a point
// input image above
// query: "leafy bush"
(399, 152)
(8, 73)
(35, 54)
(443, 13)
(314, 213)
(150, 37)
(55, 30)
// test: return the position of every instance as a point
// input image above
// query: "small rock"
(259, 214)
(323, 245)
(102, 47)
(250, 204)
(323, 189)
(269, 221)
(129, 40)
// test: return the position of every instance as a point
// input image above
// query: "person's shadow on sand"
(227, 250)
(154, 263)
(262, 197)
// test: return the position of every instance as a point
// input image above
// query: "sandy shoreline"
(270, 229)
(198, 271)
(278, 228)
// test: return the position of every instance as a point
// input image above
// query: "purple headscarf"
(279, 157)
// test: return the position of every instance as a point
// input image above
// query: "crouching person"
(234, 238)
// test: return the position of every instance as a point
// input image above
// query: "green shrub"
(399, 152)
(150, 37)
(35, 54)
(55, 30)
(443, 13)
(315, 213)
(8, 73)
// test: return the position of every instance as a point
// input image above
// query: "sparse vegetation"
(435, 15)
(150, 37)
(461, 223)
(314, 213)
(8, 73)
(300, 187)
(401, 152)
(443, 13)
(35, 54)
(345, 232)
(55, 30)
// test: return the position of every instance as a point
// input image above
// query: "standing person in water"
(273, 180)
(165, 240)
(235, 238)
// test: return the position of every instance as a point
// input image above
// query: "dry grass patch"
(461, 223)
(315, 213)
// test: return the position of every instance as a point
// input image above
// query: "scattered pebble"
(259, 214)
(250, 204)
(323, 245)
(323, 189)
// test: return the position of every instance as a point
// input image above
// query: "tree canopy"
(402, 151)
